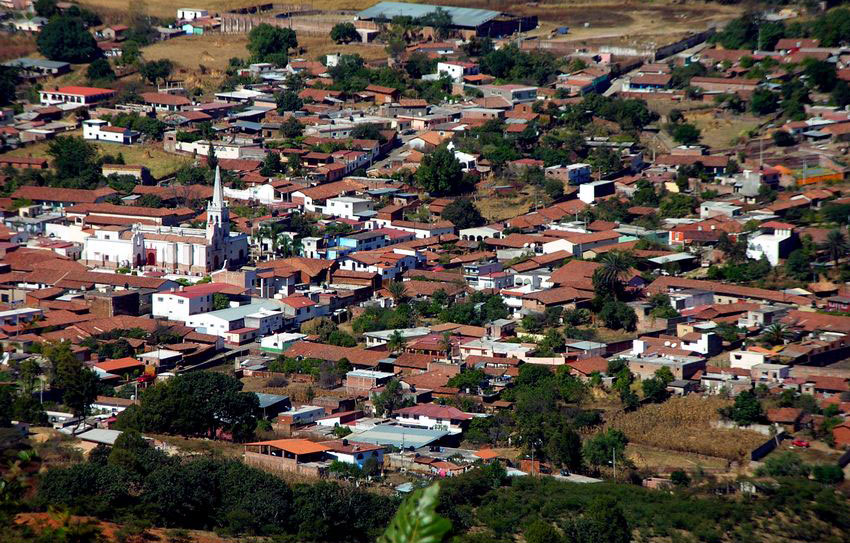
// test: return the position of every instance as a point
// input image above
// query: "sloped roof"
(460, 16)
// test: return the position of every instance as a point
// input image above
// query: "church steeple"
(218, 217)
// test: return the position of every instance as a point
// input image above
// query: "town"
(507, 272)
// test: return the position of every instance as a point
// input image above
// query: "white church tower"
(218, 217)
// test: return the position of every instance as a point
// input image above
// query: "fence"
(306, 23)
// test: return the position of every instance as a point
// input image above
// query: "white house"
(489, 347)
(301, 308)
(349, 207)
(266, 316)
(190, 14)
(82, 96)
(745, 359)
(456, 69)
(352, 452)
(776, 240)
(434, 417)
(100, 130)
(589, 192)
(179, 305)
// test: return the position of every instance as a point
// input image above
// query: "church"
(171, 249)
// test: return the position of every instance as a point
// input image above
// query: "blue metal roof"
(460, 16)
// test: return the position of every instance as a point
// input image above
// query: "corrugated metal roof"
(460, 16)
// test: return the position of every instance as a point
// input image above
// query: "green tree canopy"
(440, 173)
(66, 39)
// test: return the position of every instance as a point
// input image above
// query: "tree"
(45, 8)
(440, 172)
(271, 44)
(836, 245)
(776, 334)
(220, 301)
(680, 478)
(398, 291)
(745, 411)
(821, 73)
(100, 70)
(654, 390)
(463, 214)
(841, 94)
(8, 84)
(66, 39)
(686, 134)
(291, 128)
(785, 464)
(288, 100)
(73, 157)
(600, 449)
(604, 521)
(764, 102)
(828, 474)
(615, 265)
(389, 399)
(677, 205)
(564, 448)
(195, 404)
(783, 138)
(344, 33)
(155, 70)
(617, 315)
(396, 342)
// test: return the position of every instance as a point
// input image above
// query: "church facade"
(171, 249)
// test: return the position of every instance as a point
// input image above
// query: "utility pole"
(614, 451)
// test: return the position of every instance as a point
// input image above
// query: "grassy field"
(720, 133)
(662, 460)
(158, 161)
(495, 208)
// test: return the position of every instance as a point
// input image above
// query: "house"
(38, 67)
(182, 303)
(433, 417)
(841, 434)
(355, 452)
(513, 93)
(647, 83)
(190, 14)
(287, 455)
(456, 70)
(58, 198)
(264, 316)
(99, 130)
(774, 241)
(161, 101)
(81, 96)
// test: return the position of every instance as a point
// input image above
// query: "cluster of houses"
(78, 264)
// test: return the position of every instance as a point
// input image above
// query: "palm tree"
(397, 290)
(285, 245)
(446, 344)
(296, 247)
(776, 334)
(396, 342)
(836, 245)
(614, 266)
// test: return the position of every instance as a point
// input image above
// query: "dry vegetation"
(495, 208)
(213, 51)
(720, 133)
(16, 45)
(160, 163)
(684, 424)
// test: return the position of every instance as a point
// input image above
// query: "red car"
(800, 443)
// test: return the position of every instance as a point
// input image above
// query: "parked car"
(801, 443)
